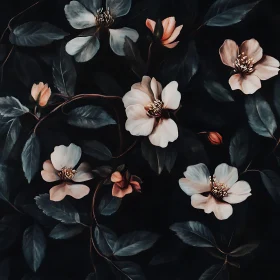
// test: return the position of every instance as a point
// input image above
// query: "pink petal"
(238, 192)
(168, 27)
(138, 123)
(135, 185)
(77, 191)
(166, 131)
(156, 88)
(150, 24)
(48, 166)
(49, 176)
(226, 174)
(228, 52)
(116, 177)
(45, 96)
(83, 173)
(209, 204)
(252, 49)
(172, 45)
(250, 84)
(197, 179)
(235, 81)
(171, 97)
(57, 193)
(36, 89)
(267, 68)
(173, 36)
(118, 192)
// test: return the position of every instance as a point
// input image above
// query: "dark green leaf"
(271, 181)
(90, 116)
(244, 250)
(134, 242)
(109, 204)
(158, 32)
(162, 259)
(170, 156)
(194, 234)
(5, 267)
(131, 270)
(96, 150)
(91, 276)
(34, 34)
(62, 210)
(103, 171)
(62, 231)
(217, 91)
(4, 182)
(105, 239)
(30, 157)
(34, 246)
(64, 72)
(215, 272)
(9, 228)
(225, 12)
(11, 107)
(260, 115)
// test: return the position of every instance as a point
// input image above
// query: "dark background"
(162, 202)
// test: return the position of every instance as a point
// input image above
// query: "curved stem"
(14, 207)
(149, 55)
(127, 150)
(250, 170)
(93, 201)
(277, 144)
(4, 62)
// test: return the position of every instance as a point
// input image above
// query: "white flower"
(223, 189)
(147, 109)
(61, 167)
(89, 13)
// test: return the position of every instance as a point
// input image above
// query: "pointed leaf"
(109, 204)
(217, 91)
(62, 231)
(11, 107)
(96, 150)
(215, 272)
(271, 181)
(244, 250)
(105, 239)
(130, 270)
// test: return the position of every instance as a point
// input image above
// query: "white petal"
(145, 86)
(63, 156)
(78, 16)
(83, 173)
(156, 88)
(118, 8)
(48, 166)
(57, 193)
(238, 192)
(135, 96)
(92, 5)
(171, 97)
(77, 191)
(197, 179)
(209, 204)
(138, 123)
(83, 48)
(226, 174)
(166, 131)
(117, 39)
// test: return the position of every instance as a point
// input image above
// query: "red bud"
(215, 138)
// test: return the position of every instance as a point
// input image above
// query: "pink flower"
(249, 63)
(61, 167)
(147, 109)
(41, 93)
(170, 33)
(222, 189)
(124, 185)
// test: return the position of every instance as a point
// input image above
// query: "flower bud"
(116, 177)
(41, 93)
(215, 138)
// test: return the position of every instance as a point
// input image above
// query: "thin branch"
(128, 149)
(93, 201)
(3, 64)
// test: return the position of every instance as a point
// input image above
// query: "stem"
(250, 170)
(93, 201)
(149, 55)
(278, 142)
(3, 64)
(14, 207)
(128, 149)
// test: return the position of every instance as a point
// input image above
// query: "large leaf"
(62, 211)
(260, 115)
(62, 231)
(227, 12)
(34, 34)
(215, 272)
(30, 157)
(96, 150)
(217, 91)
(244, 250)
(90, 116)
(134, 242)
(105, 239)
(9, 228)
(130, 270)
(34, 246)
(64, 72)
(109, 204)
(194, 234)
(271, 181)
(11, 107)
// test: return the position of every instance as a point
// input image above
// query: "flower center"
(67, 173)
(104, 17)
(218, 190)
(244, 64)
(154, 109)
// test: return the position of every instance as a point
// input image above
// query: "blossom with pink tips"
(41, 93)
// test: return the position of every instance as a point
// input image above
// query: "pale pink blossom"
(41, 93)
(249, 64)
(148, 109)
(220, 191)
(170, 31)
(61, 168)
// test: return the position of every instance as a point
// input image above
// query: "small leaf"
(30, 157)
(225, 13)
(215, 272)
(194, 234)
(131, 270)
(34, 246)
(64, 72)
(62, 211)
(217, 91)
(244, 250)
(96, 150)
(134, 242)
(5, 267)
(90, 116)
(109, 204)
(34, 34)
(105, 239)
(11, 107)
(62, 231)
(260, 115)
(9, 228)
(271, 181)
